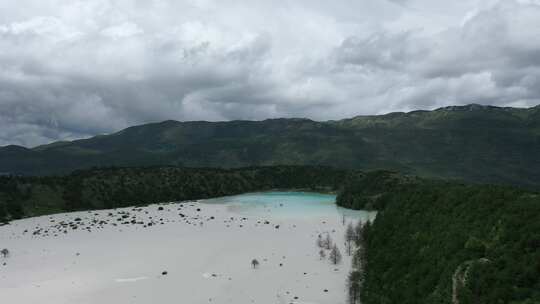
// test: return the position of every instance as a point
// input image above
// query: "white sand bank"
(98, 262)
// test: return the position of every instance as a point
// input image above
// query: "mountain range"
(473, 142)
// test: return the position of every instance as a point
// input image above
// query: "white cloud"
(78, 68)
(124, 30)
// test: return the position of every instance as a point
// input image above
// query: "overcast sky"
(71, 69)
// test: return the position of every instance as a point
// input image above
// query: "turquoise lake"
(288, 204)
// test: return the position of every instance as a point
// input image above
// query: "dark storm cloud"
(80, 68)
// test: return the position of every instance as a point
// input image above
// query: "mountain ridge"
(389, 114)
(473, 142)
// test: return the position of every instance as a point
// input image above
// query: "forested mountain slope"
(475, 143)
(446, 242)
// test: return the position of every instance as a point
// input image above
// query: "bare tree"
(348, 247)
(320, 241)
(335, 255)
(4, 252)
(327, 243)
(322, 254)
(254, 263)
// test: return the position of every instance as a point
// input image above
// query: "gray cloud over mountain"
(78, 68)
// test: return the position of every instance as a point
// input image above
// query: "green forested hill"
(447, 242)
(475, 143)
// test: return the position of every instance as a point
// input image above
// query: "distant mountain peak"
(467, 107)
(14, 148)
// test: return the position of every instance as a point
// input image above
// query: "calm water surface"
(288, 205)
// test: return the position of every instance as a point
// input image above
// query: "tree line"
(103, 188)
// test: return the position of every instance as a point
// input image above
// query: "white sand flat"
(204, 263)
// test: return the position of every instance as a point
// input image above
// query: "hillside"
(475, 143)
(446, 242)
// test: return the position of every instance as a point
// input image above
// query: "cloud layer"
(78, 68)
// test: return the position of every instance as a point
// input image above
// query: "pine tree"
(350, 236)
(354, 285)
(335, 255)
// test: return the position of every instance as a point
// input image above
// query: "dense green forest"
(117, 187)
(474, 143)
(446, 242)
